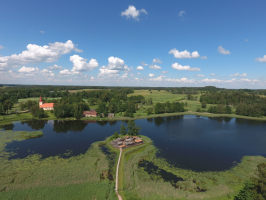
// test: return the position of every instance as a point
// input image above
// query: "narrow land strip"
(117, 170)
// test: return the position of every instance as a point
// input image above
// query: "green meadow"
(78, 177)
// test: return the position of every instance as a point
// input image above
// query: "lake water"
(190, 142)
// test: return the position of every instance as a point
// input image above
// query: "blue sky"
(106, 42)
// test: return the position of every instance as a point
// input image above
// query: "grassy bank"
(139, 184)
(79, 177)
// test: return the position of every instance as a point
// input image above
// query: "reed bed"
(85, 175)
(138, 184)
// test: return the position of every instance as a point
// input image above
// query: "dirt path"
(116, 178)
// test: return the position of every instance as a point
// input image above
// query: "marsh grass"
(138, 184)
(36, 178)
(32, 134)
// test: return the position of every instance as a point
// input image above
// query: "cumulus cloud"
(237, 74)
(151, 75)
(28, 70)
(46, 72)
(261, 59)
(181, 13)
(2, 47)
(203, 57)
(159, 78)
(138, 73)
(143, 64)
(222, 50)
(182, 80)
(124, 75)
(36, 54)
(154, 67)
(115, 65)
(156, 60)
(140, 68)
(65, 72)
(180, 67)
(199, 75)
(132, 12)
(232, 81)
(42, 32)
(55, 67)
(80, 64)
(213, 74)
(164, 72)
(184, 54)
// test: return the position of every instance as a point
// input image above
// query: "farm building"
(45, 106)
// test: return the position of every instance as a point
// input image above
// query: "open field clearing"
(158, 96)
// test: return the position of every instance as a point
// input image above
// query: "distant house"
(90, 113)
(111, 115)
(45, 106)
(108, 115)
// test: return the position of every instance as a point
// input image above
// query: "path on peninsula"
(117, 170)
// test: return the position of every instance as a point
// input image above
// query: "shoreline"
(16, 118)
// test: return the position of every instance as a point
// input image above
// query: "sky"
(172, 43)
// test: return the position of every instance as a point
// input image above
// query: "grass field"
(138, 184)
(158, 96)
(77, 177)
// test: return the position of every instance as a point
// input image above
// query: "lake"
(190, 142)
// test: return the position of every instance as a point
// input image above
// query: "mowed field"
(159, 96)
(85, 90)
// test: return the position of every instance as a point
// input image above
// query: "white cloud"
(80, 64)
(143, 11)
(46, 72)
(246, 40)
(143, 64)
(154, 67)
(180, 67)
(213, 74)
(237, 74)
(222, 50)
(151, 75)
(164, 72)
(28, 69)
(124, 75)
(203, 57)
(181, 13)
(138, 73)
(159, 78)
(42, 32)
(132, 12)
(65, 72)
(115, 65)
(140, 68)
(184, 54)
(36, 54)
(2, 47)
(199, 75)
(232, 81)
(261, 59)
(156, 60)
(182, 80)
(55, 67)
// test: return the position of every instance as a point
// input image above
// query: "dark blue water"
(191, 142)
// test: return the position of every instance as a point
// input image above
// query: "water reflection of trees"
(8, 127)
(36, 124)
(150, 120)
(112, 123)
(161, 120)
(65, 126)
(221, 119)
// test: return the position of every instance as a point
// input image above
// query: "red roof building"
(90, 113)
(45, 106)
